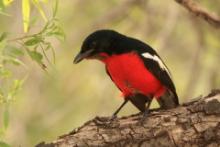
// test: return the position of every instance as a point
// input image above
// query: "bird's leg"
(121, 106)
(146, 112)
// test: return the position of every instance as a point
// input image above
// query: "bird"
(135, 68)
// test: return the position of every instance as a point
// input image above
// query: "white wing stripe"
(157, 59)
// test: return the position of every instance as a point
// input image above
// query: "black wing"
(160, 73)
(131, 44)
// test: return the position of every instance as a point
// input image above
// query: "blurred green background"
(51, 104)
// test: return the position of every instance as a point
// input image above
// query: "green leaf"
(33, 41)
(13, 60)
(26, 14)
(7, 2)
(17, 84)
(36, 56)
(3, 144)
(14, 51)
(3, 36)
(58, 33)
(5, 73)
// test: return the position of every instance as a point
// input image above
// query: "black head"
(101, 41)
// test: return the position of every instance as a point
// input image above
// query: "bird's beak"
(83, 55)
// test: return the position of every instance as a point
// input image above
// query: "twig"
(45, 55)
(194, 8)
(22, 37)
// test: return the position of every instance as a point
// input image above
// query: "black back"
(128, 44)
(162, 75)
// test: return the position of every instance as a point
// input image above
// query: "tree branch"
(195, 123)
(193, 7)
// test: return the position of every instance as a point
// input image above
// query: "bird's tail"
(168, 100)
(140, 101)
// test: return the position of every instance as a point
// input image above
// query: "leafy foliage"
(34, 45)
(39, 41)
(10, 85)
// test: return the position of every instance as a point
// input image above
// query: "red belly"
(131, 76)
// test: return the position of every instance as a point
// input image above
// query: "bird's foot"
(106, 121)
(113, 117)
(111, 120)
(143, 118)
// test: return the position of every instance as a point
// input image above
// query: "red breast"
(131, 76)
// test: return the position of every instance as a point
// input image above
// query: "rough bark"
(196, 123)
(194, 8)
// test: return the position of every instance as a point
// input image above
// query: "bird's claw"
(113, 117)
(106, 121)
(143, 118)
